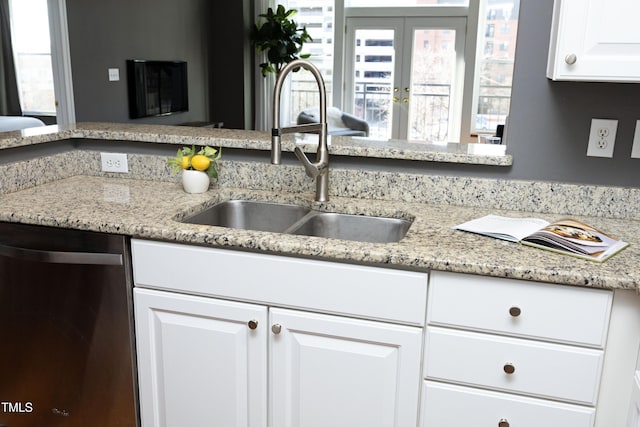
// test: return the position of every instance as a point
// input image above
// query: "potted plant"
(198, 167)
(280, 38)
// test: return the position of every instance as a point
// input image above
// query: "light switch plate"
(602, 138)
(114, 74)
(635, 150)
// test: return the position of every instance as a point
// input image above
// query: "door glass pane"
(494, 71)
(373, 79)
(432, 75)
(32, 51)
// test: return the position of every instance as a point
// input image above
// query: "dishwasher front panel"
(66, 329)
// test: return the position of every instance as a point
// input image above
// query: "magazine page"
(578, 238)
(500, 227)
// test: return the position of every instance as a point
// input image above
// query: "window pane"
(317, 16)
(432, 71)
(32, 51)
(408, 3)
(494, 71)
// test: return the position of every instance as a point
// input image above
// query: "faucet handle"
(311, 169)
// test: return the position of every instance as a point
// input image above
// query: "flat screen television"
(157, 88)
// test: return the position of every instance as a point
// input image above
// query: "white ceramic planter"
(195, 181)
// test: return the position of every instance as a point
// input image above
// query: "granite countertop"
(152, 209)
(481, 154)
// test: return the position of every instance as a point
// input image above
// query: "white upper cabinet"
(595, 40)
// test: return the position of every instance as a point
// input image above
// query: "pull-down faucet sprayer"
(319, 170)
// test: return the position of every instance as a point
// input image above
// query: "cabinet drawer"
(331, 287)
(540, 369)
(549, 312)
(442, 404)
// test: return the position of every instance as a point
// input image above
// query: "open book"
(566, 236)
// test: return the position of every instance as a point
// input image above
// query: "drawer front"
(539, 369)
(343, 289)
(455, 406)
(566, 314)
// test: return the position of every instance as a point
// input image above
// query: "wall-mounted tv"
(157, 88)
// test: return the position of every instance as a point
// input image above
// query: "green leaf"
(279, 37)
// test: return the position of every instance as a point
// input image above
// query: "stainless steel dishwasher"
(66, 337)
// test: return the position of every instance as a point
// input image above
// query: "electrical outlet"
(602, 138)
(114, 162)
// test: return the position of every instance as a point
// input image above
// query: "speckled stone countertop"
(68, 190)
(152, 210)
(482, 154)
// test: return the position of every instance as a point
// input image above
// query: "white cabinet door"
(634, 408)
(340, 372)
(199, 361)
(595, 40)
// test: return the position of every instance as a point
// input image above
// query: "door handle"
(58, 257)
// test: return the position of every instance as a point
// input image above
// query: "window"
(32, 52)
(488, 48)
(377, 58)
(381, 43)
(492, 73)
(491, 29)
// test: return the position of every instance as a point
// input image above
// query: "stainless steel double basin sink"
(293, 219)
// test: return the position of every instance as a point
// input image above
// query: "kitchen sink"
(293, 219)
(361, 228)
(250, 215)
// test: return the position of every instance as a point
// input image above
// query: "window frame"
(473, 12)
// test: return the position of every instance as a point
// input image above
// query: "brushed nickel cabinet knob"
(276, 328)
(515, 311)
(508, 368)
(253, 324)
(571, 59)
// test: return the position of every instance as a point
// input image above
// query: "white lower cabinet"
(634, 407)
(339, 372)
(204, 360)
(260, 340)
(512, 353)
(199, 363)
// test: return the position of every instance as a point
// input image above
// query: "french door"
(404, 75)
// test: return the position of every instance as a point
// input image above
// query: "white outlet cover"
(602, 138)
(114, 162)
(635, 150)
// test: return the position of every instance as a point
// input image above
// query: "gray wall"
(549, 121)
(105, 33)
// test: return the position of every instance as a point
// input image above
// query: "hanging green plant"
(280, 37)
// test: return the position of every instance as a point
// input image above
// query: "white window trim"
(61, 62)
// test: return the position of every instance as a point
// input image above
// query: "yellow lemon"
(200, 162)
(185, 162)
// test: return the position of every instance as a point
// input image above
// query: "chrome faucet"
(319, 170)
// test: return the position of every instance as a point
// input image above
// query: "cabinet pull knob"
(515, 311)
(276, 328)
(503, 423)
(571, 58)
(253, 324)
(509, 368)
